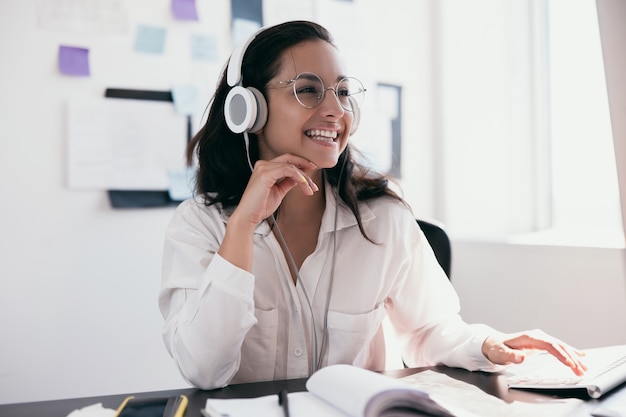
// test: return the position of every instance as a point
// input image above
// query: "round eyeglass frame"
(354, 100)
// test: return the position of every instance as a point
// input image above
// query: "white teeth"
(318, 134)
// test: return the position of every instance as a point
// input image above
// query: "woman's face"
(318, 134)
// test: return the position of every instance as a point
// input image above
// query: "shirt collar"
(345, 217)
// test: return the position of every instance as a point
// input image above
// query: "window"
(585, 196)
(523, 140)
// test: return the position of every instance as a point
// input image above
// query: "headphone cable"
(291, 262)
(318, 355)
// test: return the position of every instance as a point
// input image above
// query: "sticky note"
(150, 39)
(203, 47)
(185, 97)
(73, 60)
(182, 182)
(185, 9)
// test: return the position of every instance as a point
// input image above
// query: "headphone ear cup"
(261, 110)
(245, 109)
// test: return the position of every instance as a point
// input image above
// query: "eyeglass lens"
(309, 90)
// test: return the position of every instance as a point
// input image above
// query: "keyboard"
(541, 371)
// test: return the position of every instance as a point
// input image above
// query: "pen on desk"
(283, 400)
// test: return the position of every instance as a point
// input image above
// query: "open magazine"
(343, 391)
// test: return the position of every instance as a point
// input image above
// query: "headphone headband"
(234, 72)
(245, 109)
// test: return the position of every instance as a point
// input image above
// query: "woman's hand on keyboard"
(505, 349)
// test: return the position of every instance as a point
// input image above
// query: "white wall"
(574, 293)
(79, 281)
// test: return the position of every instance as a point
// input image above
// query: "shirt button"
(297, 352)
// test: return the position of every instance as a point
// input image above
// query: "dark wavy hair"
(223, 170)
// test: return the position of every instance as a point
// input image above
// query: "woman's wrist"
(237, 246)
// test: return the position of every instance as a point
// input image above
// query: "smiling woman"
(86, 253)
(293, 251)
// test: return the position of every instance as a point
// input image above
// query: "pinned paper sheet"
(118, 144)
(73, 60)
(185, 9)
(150, 39)
(103, 17)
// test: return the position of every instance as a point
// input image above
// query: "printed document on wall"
(121, 144)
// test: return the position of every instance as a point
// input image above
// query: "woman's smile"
(319, 135)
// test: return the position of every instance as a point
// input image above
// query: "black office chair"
(439, 241)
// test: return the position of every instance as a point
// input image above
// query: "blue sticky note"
(185, 97)
(182, 183)
(73, 60)
(185, 9)
(204, 47)
(150, 39)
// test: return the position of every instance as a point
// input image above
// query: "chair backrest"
(439, 241)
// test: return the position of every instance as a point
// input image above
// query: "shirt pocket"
(350, 335)
(258, 352)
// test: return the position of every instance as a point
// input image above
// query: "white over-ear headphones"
(245, 108)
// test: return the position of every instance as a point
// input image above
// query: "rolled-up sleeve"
(207, 302)
(425, 311)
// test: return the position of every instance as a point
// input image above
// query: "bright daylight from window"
(585, 207)
(526, 151)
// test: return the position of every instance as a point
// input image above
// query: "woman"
(292, 253)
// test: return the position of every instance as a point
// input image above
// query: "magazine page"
(343, 391)
(362, 393)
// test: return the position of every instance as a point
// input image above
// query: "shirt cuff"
(480, 361)
(225, 278)
(231, 279)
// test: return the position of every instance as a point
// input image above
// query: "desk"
(492, 384)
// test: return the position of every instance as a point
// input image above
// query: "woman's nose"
(330, 102)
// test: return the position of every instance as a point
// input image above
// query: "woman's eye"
(308, 90)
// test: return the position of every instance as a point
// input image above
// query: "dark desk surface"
(490, 383)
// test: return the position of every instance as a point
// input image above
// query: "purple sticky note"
(73, 60)
(185, 9)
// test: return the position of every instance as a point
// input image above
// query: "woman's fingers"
(509, 349)
(272, 180)
(288, 166)
(538, 340)
(297, 161)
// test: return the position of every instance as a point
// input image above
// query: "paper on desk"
(471, 398)
(301, 404)
(94, 410)
(611, 406)
(609, 412)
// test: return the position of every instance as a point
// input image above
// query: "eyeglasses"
(309, 91)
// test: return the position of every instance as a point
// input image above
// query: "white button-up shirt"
(227, 325)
